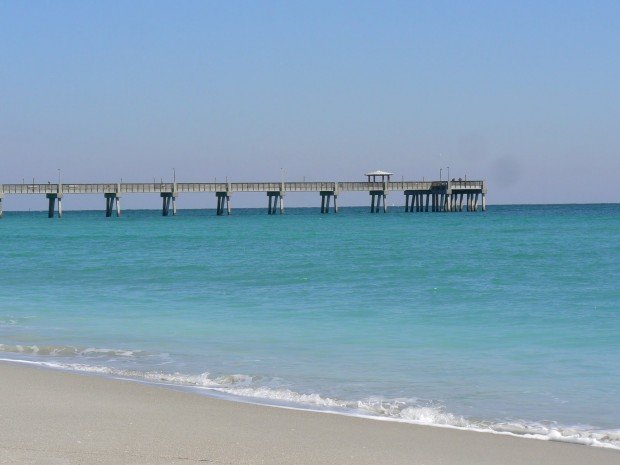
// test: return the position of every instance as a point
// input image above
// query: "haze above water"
(523, 94)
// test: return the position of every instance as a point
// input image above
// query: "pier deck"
(445, 196)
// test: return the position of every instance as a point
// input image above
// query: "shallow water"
(506, 320)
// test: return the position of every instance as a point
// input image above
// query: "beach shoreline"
(51, 416)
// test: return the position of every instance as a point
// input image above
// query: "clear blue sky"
(523, 94)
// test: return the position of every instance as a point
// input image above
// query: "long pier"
(420, 196)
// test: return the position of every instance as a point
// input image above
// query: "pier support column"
(169, 198)
(110, 200)
(223, 201)
(166, 197)
(272, 202)
(326, 200)
(407, 202)
(476, 201)
(484, 204)
(335, 203)
(281, 198)
(374, 207)
(1, 211)
(460, 207)
(52, 204)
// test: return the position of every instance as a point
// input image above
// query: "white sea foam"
(246, 388)
(68, 351)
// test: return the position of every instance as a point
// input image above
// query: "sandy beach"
(53, 417)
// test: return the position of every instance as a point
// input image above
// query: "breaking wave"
(68, 351)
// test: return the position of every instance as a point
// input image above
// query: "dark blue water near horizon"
(506, 320)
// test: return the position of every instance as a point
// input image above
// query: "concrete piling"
(110, 200)
(376, 197)
(51, 205)
(272, 202)
(326, 197)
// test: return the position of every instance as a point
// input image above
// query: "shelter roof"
(378, 173)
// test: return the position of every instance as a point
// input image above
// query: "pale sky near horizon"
(525, 95)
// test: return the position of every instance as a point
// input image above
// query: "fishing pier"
(420, 196)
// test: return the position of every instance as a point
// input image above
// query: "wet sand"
(52, 417)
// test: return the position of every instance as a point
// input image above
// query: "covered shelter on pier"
(375, 174)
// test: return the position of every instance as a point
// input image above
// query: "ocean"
(505, 321)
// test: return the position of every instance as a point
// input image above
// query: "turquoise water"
(507, 320)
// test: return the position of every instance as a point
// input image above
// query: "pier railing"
(304, 186)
